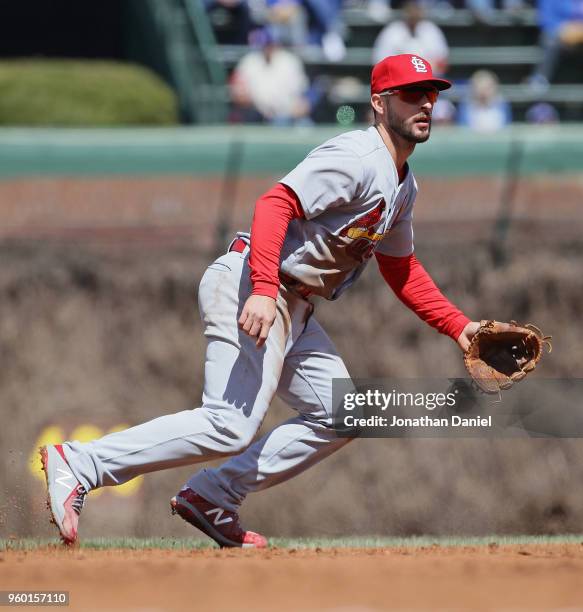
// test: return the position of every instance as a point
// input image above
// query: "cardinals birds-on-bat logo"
(362, 227)
(361, 231)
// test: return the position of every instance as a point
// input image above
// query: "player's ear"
(376, 101)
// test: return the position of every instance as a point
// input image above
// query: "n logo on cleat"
(62, 480)
(219, 513)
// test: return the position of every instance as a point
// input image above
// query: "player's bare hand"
(257, 317)
(467, 334)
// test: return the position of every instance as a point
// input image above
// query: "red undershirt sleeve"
(416, 289)
(273, 212)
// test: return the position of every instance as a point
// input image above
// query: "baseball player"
(311, 236)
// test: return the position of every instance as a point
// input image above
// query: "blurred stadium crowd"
(304, 61)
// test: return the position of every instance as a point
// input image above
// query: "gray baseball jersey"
(354, 205)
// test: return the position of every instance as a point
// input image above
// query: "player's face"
(409, 111)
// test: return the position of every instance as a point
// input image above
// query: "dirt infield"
(488, 577)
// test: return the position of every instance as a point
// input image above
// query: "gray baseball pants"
(298, 362)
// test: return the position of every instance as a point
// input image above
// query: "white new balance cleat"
(66, 495)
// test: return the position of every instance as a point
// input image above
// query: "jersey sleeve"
(398, 242)
(330, 176)
(273, 212)
(416, 289)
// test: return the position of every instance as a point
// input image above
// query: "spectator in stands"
(484, 10)
(237, 13)
(542, 113)
(484, 109)
(379, 10)
(315, 23)
(325, 27)
(561, 23)
(444, 112)
(413, 34)
(270, 85)
(287, 19)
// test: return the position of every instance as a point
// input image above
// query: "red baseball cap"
(401, 70)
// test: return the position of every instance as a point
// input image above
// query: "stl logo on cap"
(403, 70)
(418, 64)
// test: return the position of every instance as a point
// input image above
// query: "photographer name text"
(424, 421)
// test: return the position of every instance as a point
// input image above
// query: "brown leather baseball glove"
(501, 354)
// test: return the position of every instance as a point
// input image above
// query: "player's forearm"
(273, 212)
(416, 289)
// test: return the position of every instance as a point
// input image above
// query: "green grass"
(110, 543)
(297, 543)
